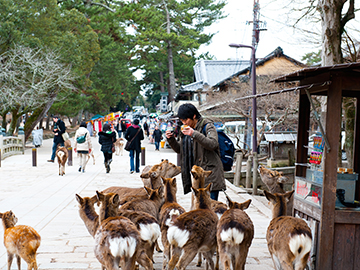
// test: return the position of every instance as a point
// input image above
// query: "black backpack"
(227, 149)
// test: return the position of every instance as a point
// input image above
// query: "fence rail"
(12, 145)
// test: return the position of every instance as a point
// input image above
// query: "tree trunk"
(35, 118)
(3, 124)
(171, 90)
(349, 107)
(14, 119)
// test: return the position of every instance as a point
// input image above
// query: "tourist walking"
(82, 145)
(146, 129)
(107, 139)
(157, 137)
(198, 149)
(134, 135)
(58, 129)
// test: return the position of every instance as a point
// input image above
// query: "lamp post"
(253, 80)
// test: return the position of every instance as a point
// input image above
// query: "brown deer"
(21, 241)
(275, 181)
(169, 211)
(62, 156)
(147, 225)
(193, 232)
(198, 181)
(117, 241)
(235, 232)
(150, 205)
(152, 180)
(288, 238)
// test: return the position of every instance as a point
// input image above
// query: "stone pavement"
(41, 198)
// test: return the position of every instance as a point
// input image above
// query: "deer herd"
(127, 223)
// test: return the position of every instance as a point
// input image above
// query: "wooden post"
(70, 158)
(248, 172)
(255, 173)
(237, 177)
(142, 156)
(34, 157)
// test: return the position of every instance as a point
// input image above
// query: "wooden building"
(337, 228)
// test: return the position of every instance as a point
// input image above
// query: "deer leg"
(144, 261)
(18, 262)
(166, 255)
(129, 264)
(301, 264)
(225, 259)
(188, 254)
(158, 249)
(175, 256)
(217, 267)
(10, 259)
(209, 261)
(199, 260)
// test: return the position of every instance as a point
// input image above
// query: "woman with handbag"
(107, 139)
(82, 145)
(134, 135)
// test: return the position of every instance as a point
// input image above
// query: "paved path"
(41, 198)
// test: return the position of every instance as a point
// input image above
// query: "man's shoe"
(80, 169)
(51, 160)
(131, 172)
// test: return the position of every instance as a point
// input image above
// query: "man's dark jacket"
(61, 129)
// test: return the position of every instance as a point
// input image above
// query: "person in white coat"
(82, 145)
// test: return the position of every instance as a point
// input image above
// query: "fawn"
(235, 232)
(288, 238)
(147, 226)
(62, 156)
(275, 181)
(169, 211)
(21, 241)
(193, 232)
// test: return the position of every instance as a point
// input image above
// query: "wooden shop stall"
(325, 194)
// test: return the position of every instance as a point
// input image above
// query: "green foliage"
(312, 58)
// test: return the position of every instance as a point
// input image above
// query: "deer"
(235, 232)
(117, 240)
(151, 176)
(193, 232)
(150, 205)
(169, 211)
(62, 156)
(289, 239)
(21, 241)
(198, 181)
(275, 181)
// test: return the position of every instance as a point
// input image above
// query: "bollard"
(70, 161)
(255, 173)
(34, 157)
(142, 156)
(178, 160)
(248, 172)
(237, 177)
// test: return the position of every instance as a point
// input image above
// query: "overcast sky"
(234, 29)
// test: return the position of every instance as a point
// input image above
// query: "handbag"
(65, 136)
(81, 139)
(127, 145)
(113, 148)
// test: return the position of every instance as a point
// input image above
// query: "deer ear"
(269, 196)
(94, 199)
(207, 173)
(145, 175)
(79, 199)
(148, 190)
(288, 194)
(115, 199)
(230, 202)
(100, 196)
(245, 205)
(1, 215)
(208, 188)
(173, 182)
(195, 191)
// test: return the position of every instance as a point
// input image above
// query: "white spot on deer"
(149, 232)
(177, 236)
(232, 235)
(122, 246)
(300, 245)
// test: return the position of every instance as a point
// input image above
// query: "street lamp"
(253, 79)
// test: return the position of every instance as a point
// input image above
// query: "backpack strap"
(204, 130)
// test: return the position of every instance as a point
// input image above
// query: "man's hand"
(169, 134)
(188, 131)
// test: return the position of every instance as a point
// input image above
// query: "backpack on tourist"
(227, 149)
